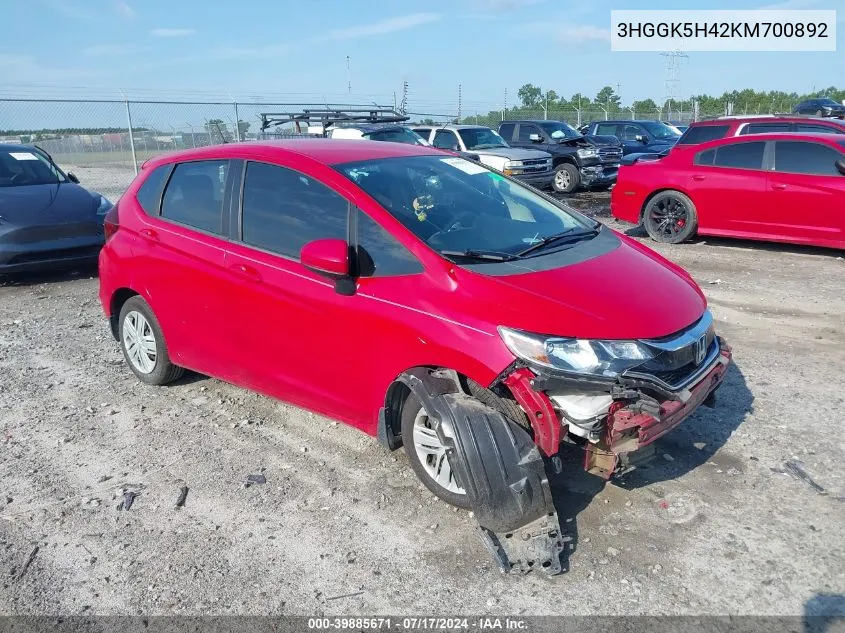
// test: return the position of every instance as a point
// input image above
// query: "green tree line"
(534, 102)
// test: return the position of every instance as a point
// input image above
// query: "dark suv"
(638, 136)
(578, 160)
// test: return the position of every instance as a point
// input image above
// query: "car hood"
(626, 291)
(513, 153)
(39, 204)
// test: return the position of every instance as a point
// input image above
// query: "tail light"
(111, 223)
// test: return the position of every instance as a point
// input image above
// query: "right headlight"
(588, 152)
(584, 356)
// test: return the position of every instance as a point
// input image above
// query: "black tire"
(163, 371)
(567, 178)
(670, 217)
(410, 410)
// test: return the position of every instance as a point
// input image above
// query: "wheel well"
(390, 422)
(560, 160)
(120, 297)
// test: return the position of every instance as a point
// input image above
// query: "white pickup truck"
(534, 167)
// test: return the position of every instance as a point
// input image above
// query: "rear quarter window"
(194, 195)
(703, 133)
(149, 193)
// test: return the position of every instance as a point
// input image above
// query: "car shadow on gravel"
(692, 444)
(49, 277)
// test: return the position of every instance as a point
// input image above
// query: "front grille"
(535, 161)
(610, 154)
(675, 361)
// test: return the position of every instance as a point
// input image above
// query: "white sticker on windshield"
(466, 166)
(23, 155)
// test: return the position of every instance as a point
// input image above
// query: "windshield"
(661, 130)
(26, 167)
(481, 138)
(397, 135)
(457, 206)
(559, 129)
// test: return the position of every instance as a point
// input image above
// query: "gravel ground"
(714, 526)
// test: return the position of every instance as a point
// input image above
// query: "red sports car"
(784, 187)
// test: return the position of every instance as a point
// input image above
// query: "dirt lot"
(715, 526)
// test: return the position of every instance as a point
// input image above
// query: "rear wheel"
(143, 344)
(567, 178)
(427, 455)
(670, 217)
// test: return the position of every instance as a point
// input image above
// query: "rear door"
(180, 257)
(301, 340)
(727, 184)
(806, 192)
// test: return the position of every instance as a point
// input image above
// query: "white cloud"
(382, 27)
(162, 32)
(125, 10)
(22, 68)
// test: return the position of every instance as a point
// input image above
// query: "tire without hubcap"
(670, 217)
(567, 178)
(143, 344)
(427, 455)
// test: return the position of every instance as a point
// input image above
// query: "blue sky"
(295, 50)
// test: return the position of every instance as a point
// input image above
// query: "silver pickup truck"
(533, 167)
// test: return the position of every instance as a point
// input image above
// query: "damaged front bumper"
(612, 419)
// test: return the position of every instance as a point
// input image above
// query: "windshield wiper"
(493, 256)
(568, 234)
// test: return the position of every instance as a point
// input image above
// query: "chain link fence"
(104, 142)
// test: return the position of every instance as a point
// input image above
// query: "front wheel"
(427, 455)
(567, 178)
(670, 217)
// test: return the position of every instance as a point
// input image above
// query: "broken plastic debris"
(183, 495)
(128, 500)
(256, 479)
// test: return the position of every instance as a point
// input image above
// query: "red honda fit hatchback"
(361, 279)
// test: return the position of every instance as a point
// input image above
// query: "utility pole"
(506, 104)
(348, 75)
(459, 103)
(672, 75)
(404, 105)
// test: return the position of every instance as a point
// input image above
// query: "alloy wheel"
(669, 216)
(432, 454)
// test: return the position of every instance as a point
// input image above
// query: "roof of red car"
(324, 150)
(765, 118)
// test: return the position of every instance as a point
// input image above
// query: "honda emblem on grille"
(700, 349)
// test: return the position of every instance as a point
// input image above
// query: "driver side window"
(630, 133)
(525, 132)
(445, 139)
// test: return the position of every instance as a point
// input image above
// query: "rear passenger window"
(705, 158)
(283, 210)
(506, 131)
(765, 128)
(380, 254)
(608, 129)
(808, 127)
(194, 195)
(740, 155)
(703, 133)
(149, 193)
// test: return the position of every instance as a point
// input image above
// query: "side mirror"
(72, 177)
(534, 138)
(330, 258)
(840, 165)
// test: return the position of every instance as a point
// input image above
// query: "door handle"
(245, 271)
(150, 234)
(698, 177)
(779, 186)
